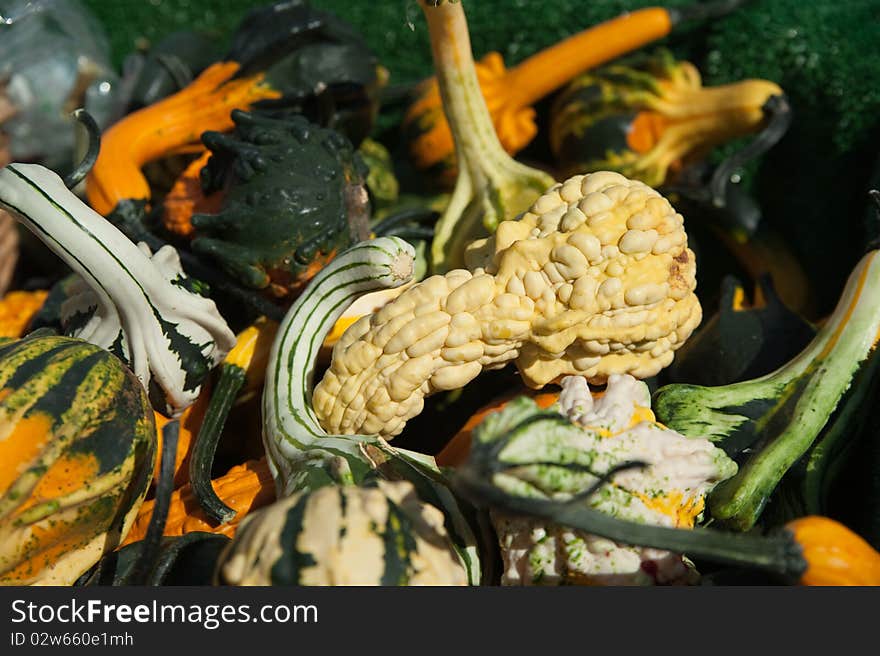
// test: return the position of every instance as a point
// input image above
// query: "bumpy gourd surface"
(604, 432)
(595, 279)
(290, 187)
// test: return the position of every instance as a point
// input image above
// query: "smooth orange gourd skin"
(243, 488)
(457, 449)
(186, 198)
(835, 555)
(17, 309)
(172, 126)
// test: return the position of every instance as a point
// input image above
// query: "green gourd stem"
(301, 454)
(149, 554)
(491, 186)
(229, 383)
(778, 554)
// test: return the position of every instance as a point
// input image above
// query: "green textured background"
(824, 53)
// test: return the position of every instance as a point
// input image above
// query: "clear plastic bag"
(54, 57)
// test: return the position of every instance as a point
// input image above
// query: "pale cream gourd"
(344, 535)
(595, 279)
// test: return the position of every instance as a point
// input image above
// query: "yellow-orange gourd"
(17, 309)
(835, 555)
(243, 488)
(172, 126)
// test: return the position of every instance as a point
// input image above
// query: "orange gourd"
(243, 488)
(186, 198)
(172, 126)
(17, 309)
(835, 555)
(511, 93)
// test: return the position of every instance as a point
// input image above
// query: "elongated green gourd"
(136, 304)
(302, 456)
(778, 417)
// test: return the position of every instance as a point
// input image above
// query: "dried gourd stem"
(147, 559)
(94, 148)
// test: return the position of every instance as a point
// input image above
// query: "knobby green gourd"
(301, 455)
(77, 444)
(136, 304)
(780, 416)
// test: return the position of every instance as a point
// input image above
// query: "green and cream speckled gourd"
(77, 443)
(594, 436)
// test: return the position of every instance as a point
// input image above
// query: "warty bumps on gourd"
(595, 279)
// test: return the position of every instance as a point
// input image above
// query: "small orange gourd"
(17, 309)
(243, 488)
(187, 198)
(835, 555)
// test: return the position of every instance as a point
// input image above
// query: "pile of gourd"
(281, 346)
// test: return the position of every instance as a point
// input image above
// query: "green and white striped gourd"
(380, 533)
(77, 445)
(293, 438)
(138, 305)
(301, 455)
